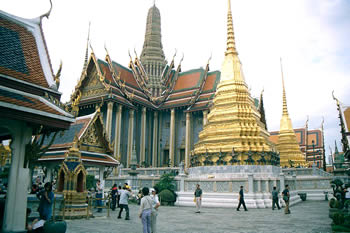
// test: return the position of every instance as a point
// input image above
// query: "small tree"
(166, 182)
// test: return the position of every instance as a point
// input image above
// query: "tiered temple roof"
(95, 148)
(28, 87)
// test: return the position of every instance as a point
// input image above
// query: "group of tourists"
(275, 202)
(149, 204)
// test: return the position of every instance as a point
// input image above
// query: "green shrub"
(332, 202)
(337, 182)
(166, 181)
(90, 182)
(338, 218)
(167, 196)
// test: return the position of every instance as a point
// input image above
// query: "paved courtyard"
(306, 217)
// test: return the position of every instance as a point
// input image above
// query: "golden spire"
(287, 145)
(231, 69)
(233, 121)
(285, 110)
(231, 45)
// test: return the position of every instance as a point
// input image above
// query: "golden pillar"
(172, 138)
(118, 125)
(155, 139)
(143, 135)
(109, 119)
(130, 136)
(205, 117)
(188, 139)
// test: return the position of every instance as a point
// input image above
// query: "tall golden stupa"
(234, 132)
(287, 145)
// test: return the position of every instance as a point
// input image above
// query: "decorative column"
(109, 120)
(130, 135)
(281, 182)
(16, 201)
(188, 139)
(118, 125)
(259, 186)
(143, 136)
(267, 188)
(172, 138)
(251, 183)
(294, 176)
(205, 117)
(155, 139)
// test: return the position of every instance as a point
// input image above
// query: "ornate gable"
(92, 86)
(94, 138)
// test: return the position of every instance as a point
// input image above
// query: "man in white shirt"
(124, 201)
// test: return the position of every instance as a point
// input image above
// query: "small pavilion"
(29, 105)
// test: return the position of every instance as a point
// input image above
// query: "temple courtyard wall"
(221, 184)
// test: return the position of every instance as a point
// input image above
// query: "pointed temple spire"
(152, 55)
(234, 121)
(231, 67)
(287, 144)
(285, 110)
(87, 49)
(231, 44)
(262, 109)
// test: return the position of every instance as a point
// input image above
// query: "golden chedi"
(287, 144)
(234, 131)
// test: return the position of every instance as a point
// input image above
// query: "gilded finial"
(231, 44)
(285, 110)
(75, 146)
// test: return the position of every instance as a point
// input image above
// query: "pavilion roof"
(28, 87)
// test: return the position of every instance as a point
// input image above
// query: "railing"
(59, 206)
(306, 172)
(106, 204)
(152, 171)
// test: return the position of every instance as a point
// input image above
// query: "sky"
(311, 37)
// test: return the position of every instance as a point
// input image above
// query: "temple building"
(151, 103)
(234, 132)
(287, 145)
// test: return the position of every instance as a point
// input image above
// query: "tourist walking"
(114, 194)
(99, 195)
(145, 210)
(198, 198)
(155, 206)
(241, 200)
(45, 206)
(275, 198)
(286, 197)
(125, 193)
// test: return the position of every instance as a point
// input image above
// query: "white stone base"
(230, 200)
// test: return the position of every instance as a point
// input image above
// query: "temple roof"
(127, 85)
(28, 88)
(95, 147)
(24, 52)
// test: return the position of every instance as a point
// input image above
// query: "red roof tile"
(23, 45)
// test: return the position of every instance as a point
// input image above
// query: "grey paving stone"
(306, 217)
